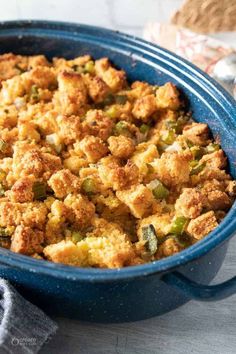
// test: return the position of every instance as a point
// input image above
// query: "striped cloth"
(24, 328)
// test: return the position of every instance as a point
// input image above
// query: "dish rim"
(222, 233)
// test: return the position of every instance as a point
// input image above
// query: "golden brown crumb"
(81, 210)
(169, 247)
(215, 160)
(97, 88)
(144, 107)
(26, 240)
(121, 146)
(189, 203)
(202, 225)
(172, 168)
(139, 199)
(197, 133)
(64, 182)
(167, 96)
(93, 147)
(72, 92)
(21, 191)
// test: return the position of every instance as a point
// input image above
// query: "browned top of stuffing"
(98, 172)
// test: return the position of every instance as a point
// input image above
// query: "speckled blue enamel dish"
(148, 290)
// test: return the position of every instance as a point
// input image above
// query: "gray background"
(196, 327)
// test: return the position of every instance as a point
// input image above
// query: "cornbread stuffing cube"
(115, 176)
(139, 199)
(113, 252)
(97, 88)
(82, 210)
(144, 107)
(38, 163)
(121, 146)
(144, 154)
(197, 133)
(26, 240)
(172, 168)
(167, 96)
(64, 182)
(215, 195)
(114, 78)
(97, 123)
(21, 191)
(68, 253)
(202, 225)
(72, 92)
(140, 89)
(31, 214)
(190, 203)
(169, 247)
(215, 160)
(93, 147)
(70, 128)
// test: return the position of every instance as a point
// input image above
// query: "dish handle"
(200, 292)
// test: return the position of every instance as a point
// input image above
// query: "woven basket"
(207, 16)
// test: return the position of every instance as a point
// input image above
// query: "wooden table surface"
(195, 328)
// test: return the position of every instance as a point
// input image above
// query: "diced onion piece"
(53, 139)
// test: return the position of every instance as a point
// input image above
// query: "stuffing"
(99, 172)
(172, 168)
(144, 154)
(202, 225)
(190, 203)
(37, 163)
(8, 116)
(115, 176)
(144, 107)
(81, 210)
(209, 173)
(121, 146)
(11, 65)
(161, 224)
(55, 226)
(214, 160)
(113, 252)
(197, 133)
(231, 188)
(97, 88)
(12, 89)
(67, 252)
(97, 123)
(72, 92)
(69, 128)
(37, 60)
(167, 96)
(31, 214)
(115, 79)
(93, 148)
(140, 89)
(28, 130)
(26, 240)
(22, 190)
(215, 196)
(64, 182)
(169, 247)
(108, 245)
(41, 77)
(139, 199)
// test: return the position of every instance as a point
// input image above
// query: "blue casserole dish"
(139, 292)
